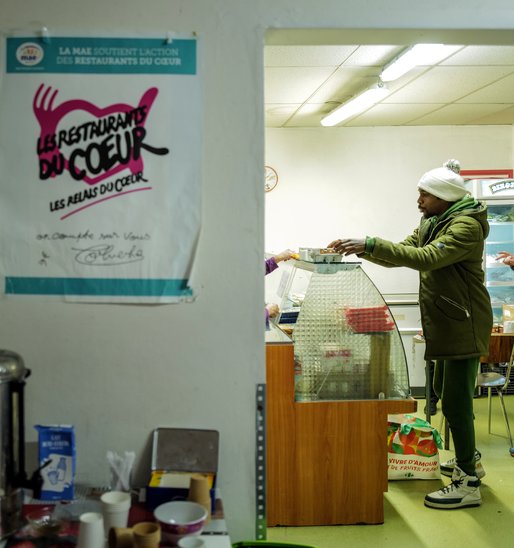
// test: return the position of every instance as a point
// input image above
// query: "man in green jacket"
(456, 316)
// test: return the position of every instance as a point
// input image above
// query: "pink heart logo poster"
(101, 151)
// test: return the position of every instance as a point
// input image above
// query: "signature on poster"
(108, 255)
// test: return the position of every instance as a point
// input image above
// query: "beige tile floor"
(408, 523)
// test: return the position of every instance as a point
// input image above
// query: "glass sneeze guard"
(346, 343)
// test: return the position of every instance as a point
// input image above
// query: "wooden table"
(214, 535)
(500, 348)
(326, 460)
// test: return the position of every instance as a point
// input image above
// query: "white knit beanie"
(444, 182)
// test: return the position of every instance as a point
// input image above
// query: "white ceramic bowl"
(180, 518)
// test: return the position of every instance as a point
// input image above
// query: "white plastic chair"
(490, 380)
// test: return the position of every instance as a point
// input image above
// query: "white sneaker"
(463, 492)
(448, 467)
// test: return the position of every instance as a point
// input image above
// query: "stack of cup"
(115, 510)
(91, 530)
(199, 492)
(121, 537)
(147, 534)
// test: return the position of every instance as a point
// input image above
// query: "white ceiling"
(304, 82)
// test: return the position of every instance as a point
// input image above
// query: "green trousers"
(454, 383)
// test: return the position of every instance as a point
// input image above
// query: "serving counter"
(326, 444)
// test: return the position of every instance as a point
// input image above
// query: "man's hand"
(506, 258)
(348, 246)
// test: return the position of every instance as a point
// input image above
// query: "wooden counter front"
(327, 460)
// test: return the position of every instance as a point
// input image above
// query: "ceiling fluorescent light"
(420, 54)
(355, 106)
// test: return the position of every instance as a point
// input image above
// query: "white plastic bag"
(121, 469)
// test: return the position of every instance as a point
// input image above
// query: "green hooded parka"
(447, 251)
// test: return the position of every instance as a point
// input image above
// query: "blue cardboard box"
(56, 443)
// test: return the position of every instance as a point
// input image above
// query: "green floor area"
(409, 524)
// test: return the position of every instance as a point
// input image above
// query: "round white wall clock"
(270, 178)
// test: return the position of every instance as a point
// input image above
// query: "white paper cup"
(91, 530)
(115, 509)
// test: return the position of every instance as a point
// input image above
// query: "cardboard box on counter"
(177, 454)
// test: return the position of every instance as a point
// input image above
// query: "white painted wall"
(117, 372)
(356, 182)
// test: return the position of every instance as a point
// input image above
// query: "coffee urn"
(12, 439)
